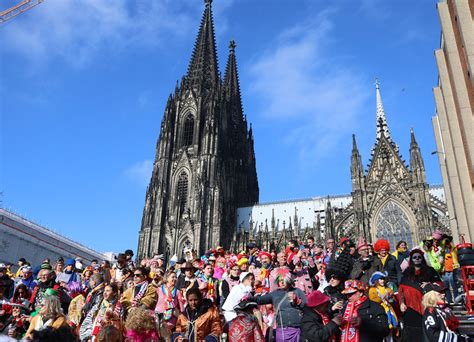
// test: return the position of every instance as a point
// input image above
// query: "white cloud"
(77, 31)
(301, 79)
(140, 172)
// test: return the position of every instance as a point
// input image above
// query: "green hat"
(51, 292)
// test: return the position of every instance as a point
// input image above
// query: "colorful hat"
(362, 243)
(70, 262)
(265, 253)
(316, 298)
(241, 255)
(51, 292)
(244, 275)
(352, 286)
(437, 235)
(242, 261)
(381, 244)
(342, 240)
(376, 276)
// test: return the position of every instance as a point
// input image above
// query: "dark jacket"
(393, 269)
(374, 324)
(289, 314)
(363, 269)
(313, 329)
(434, 326)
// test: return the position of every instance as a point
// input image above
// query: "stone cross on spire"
(382, 126)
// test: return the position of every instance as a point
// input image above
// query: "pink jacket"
(162, 304)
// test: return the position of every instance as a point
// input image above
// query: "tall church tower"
(205, 161)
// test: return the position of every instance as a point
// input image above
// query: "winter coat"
(245, 327)
(57, 323)
(235, 296)
(374, 323)
(363, 269)
(206, 321)
(313, 328)
(289, 314)
(148, 300)
(435, 328)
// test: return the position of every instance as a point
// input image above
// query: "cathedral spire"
(416, 160)
(231, 77)
(203, 69)
(357, 171)
(382, 126)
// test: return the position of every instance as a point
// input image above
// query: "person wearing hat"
(262, 281)
(21, 262)
(119, 266)
(128, 257)
(208, 284)
(245, 326)
(27, 277)
(69, 274)
(389, 263)
(362, 319)
(243, 289)
(50, 315)
(430, 254)
(15, 326)
(335, 279)
(316, 323)
(410, 293)
(380, 293)
(187, 279)
(366, 264)
(288, 302)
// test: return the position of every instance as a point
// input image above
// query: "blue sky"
(84, 84)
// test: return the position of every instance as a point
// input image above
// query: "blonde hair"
(52, 307)
(431, 299)
(141, 321)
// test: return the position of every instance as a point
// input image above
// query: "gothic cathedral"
(204, 167)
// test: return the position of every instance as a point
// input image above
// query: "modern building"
(204, 167)
(20, 237)
(454, 122)
(389, 199)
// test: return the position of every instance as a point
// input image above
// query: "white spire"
(382, 126)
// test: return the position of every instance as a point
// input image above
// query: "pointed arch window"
(393, 225)
(182, 191)
(188, 130)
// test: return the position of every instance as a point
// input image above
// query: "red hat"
(381, 244)
(352, 286)
(316, 298)
(241, 255)
(265, 253)
(362, 243)
(343, 239)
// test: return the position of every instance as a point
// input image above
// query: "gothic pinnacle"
(232, 46)
(382, 126)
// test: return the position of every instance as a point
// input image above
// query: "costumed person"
(238, 292)
(208, 284)
(342, 259)
(142, 294)
(438, 324)
(93, 321)
(450, 265)
(200, 320)
(229, 281)
(243, 262)
(6, 282)
(410, 293)
(402, 254)
(21, 294)
(245, 326)
(45, 282)
(78, 300)
(170, 303)
(187, 279)
(141, 326)
(362, 319)
(389, 263)
(262, 278)
(27, 279)
(288, 302)
(19, 321)
(366, 264)
(380, 293)
(317, 325)
(50, 315)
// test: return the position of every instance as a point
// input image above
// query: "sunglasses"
(137, 274)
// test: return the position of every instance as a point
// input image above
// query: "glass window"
(393, 225)
(182, 191)
(188, 130)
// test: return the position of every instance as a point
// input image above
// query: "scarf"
(383, 260)
(104, 306)
(138, 297)
(170, 294)
(211, 294)
(326, 321)
(148, 336)
(349, 332)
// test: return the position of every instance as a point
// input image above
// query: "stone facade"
(389, 199)
(204, 167)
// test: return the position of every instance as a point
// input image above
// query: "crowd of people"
(337, 291)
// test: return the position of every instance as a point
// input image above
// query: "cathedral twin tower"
(204, 167)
